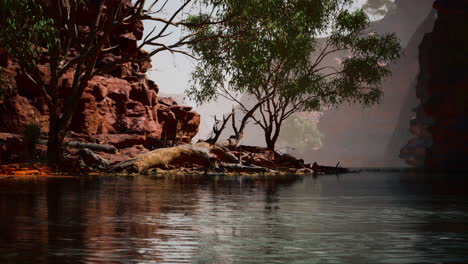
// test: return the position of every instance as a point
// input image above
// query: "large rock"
(441, 122)
(123, 104)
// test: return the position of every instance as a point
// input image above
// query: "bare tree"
(217, 130)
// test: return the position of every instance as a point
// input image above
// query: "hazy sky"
(172, 71)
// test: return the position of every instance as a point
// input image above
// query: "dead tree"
(218, 130)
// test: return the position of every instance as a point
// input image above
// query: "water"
(372, 217)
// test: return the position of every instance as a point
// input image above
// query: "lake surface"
(371, 217)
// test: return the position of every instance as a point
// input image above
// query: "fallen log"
(203, 154)
(165, 157)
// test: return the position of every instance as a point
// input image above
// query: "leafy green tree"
(277, 54)
(23, 27)
(33, 30)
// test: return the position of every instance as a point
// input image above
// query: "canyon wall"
(440, 127)
(373, 136)
(121, 108)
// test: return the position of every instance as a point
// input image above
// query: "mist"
(351, 134)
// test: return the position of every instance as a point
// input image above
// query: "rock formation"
(120, 108)
(440, 127)
(373, 136)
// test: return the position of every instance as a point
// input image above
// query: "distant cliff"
(440, 127)
(373, 136)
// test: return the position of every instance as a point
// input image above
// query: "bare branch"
(218, 130)
(110, 48)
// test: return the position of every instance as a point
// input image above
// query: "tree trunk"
(55, 142)
(270, 144)
(274, 138)
(269, 139)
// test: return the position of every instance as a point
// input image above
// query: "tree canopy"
(25, 30)
(291, 56)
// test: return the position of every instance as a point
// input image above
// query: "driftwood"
(164, 158)
(91, 146)
(202, 154)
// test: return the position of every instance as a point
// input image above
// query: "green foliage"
(275, 51)
(25, 31)
(275, 44)
(300, 133)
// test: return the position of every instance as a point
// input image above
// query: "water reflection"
(362, 218)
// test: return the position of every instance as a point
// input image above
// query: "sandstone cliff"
(120, 108)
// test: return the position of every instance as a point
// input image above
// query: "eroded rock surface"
(121, 108)
(440, 127)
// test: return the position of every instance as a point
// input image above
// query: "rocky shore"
(84, 158)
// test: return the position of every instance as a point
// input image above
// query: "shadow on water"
(372, 217)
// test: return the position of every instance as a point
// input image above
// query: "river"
(370, 217)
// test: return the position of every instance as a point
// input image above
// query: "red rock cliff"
(115, 107)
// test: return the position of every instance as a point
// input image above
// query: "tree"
(277, 56)
(56, 31)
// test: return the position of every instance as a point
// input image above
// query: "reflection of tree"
(301, 134)
(378, 7)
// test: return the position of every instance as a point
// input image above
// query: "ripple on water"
(364, 218)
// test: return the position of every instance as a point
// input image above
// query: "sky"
(172, 72)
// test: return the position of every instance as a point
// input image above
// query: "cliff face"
(440, 127)
(121, 104)
(373, 136)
